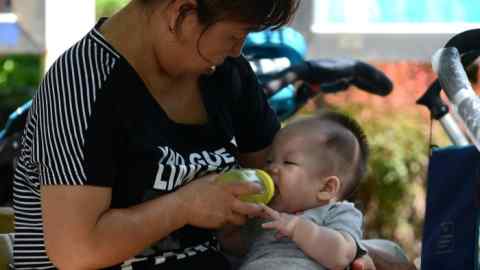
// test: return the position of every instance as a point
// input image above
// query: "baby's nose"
(272, 168)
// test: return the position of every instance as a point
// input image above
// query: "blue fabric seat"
(450, 233)
(280, 48)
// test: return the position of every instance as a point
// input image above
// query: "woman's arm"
(82, 232)
(330, 248)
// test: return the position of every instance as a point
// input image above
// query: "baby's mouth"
(277, 192)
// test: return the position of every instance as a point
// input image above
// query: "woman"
(151, 99)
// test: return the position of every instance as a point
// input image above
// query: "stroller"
(450, 235)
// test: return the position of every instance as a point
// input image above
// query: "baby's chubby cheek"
(276, 202)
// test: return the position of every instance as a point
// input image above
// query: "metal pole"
(453, 78)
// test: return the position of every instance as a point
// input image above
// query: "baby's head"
(317, 160)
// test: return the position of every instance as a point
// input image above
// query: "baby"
(316, 164)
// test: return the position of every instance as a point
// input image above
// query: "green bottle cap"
(252, 175)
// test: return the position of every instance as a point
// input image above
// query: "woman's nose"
(236, 49)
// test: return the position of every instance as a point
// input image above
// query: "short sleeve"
(344, 217)
(255, 123)
(70, 123)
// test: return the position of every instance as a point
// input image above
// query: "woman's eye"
(269, 161)
(290, 162)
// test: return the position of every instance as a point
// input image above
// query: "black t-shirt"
(93, 122)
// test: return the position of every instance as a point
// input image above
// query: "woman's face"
(221, 40)
(193, 48)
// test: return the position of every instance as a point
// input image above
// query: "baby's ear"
(331, 187)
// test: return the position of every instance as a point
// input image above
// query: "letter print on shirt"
(175, 169)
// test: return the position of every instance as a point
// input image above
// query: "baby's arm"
(331, 248)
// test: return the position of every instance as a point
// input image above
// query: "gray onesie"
(266, 252)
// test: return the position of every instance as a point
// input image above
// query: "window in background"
(395, 16)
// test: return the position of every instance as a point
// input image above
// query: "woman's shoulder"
(78, 74)
(88, 60)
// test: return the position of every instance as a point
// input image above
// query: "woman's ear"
(330, 188)
(177, 10)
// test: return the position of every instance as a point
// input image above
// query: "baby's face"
(294, 174)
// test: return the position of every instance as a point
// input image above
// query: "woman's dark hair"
(261, 14)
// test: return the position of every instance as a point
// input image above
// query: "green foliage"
(19, 76)
(399, 154)
(105, 8)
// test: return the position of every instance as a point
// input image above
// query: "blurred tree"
(105, 8)
(392, 195)
(19, 76)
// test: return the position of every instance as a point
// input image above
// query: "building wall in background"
(66, 22)
(31, 19)
(22, 27)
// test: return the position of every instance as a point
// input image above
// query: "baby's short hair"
(360, 161)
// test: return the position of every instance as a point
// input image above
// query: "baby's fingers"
(271, 225)
(270, 212)
(275, 225)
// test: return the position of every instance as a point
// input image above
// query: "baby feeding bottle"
(253, 175)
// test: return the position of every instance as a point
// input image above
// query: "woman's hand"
(209, 204)
(382, 255)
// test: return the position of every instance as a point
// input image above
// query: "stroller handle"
(447, 63)
(332, 75)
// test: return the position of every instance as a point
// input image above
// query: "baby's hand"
(282, 222)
